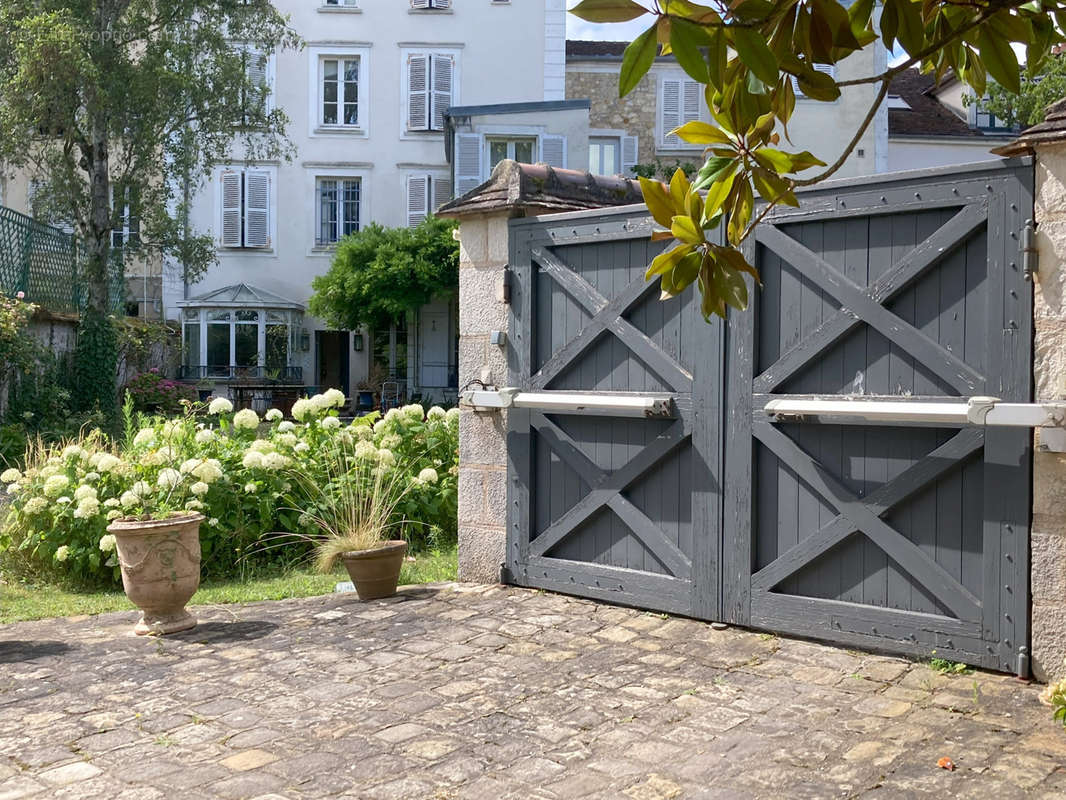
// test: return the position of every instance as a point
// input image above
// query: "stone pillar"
(483, 251)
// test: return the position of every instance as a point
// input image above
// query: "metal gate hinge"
(1030, 254)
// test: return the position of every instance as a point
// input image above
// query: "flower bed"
(238, 470)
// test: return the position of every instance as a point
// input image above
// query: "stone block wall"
(483, 255)
(634, 113)
(1049, 371)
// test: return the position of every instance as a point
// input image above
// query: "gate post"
(1047, 265)
(514, 190)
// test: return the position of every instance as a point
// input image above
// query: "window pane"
(277, 347)
(329, 92)
(247, 316)
(218, 345)
(595, 158)
(497, 152)
(351, 207)
(351, 92)
(523, 152)
(192, 345)
(247, 345)
(218, 316)
(327, 210)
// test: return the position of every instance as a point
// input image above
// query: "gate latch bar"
(988, 411)
(614, 404)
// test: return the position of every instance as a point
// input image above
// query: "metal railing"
(47, 265)
(280, 375)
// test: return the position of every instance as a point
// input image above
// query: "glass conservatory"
(240, 332)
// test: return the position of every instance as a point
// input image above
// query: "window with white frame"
(605, 155)
(341, 3)
(339, 90)
(521, 149)
(430, 89)
(680, 101)
(985, 120)
(245, 202)
(426, 5)
(257, 95)
(127, 230)
(425, 194)
(225, 342)
(337, 209)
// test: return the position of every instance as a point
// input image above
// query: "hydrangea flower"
(12, 488)
(213, 522)
(379, 426)
(194, 505)
(63, 501)
(83, 492)
(301, 447)
(204, 436)
(168, 478)
(262, 446)
(112, 502)
(62, 553)
(366, 450)
(273, 415)
(104, 462)
(335, 397)
(209, 471)
(220, 405)
(107, 543)
(250, 488)
(113, 514)
(246, 419)
(436, 413)
(10, 475)
(73, 451)
(189, 464)
(287, 439)
(392, 415)
(414, 412)
(386, 457)
(141, 488)
(363, 432)
(428, 475)
(55, 485)
(453, 416)
(87, 508)
(286, 426)
(302, 409)
(275, 461)
(35, 505)
(331, 423)
(92, 477)
(199, 488)
(320, 403)
(144, 437)
(129, 499)
(252, 459)
(391, 441)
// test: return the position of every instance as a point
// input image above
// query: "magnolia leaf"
(735, 259)
(999, 59)
(637, 60)
(730, 286)
(911, 32)
(805, 160)
(686, 41)
(717, 194)
(661, 236)
(608, 10)
(685, 229)
(659, 203)
(679, 189)
(664, 262)
(717, 56)
(772, 159)
(755, 54)
(702, 133)
(686, 271)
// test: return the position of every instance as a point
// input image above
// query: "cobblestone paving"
(486, 692)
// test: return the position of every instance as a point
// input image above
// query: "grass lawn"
(21, 601)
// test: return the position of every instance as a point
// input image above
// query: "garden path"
(454, 691)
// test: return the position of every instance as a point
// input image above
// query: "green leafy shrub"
(243, 478)
(153, 393)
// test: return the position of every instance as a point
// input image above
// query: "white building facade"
(367, 101)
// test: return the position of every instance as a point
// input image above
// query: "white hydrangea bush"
(234, 467)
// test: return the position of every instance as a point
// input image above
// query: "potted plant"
(351, 516)
(158, 546)
(370, 385)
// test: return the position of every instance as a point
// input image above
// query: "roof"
(241, 295)
(542, 189)
(576, 48)
(1052, 129)
(517, 108)
(926, 116)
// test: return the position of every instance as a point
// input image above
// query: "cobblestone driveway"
(456, 692)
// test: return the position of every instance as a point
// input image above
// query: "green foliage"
(136, 96)
(946, 667)
(747, 55)
(662, 170)
(152, 393)
(95, 365)
(248, 479)
(378, 274)
(1026, 107)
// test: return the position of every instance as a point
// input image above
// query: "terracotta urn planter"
(160, 562)
(376, 572)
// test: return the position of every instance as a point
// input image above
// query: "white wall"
(915, 153)
(500, 53)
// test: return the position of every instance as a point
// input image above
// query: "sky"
(615, 32)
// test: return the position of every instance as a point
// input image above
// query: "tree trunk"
(98, 242)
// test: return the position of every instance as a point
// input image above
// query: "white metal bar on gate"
(614, 404)
(968, 411)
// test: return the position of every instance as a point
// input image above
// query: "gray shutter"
(443, 73)
(256, 68)
(231, 209)
(553, 150)
(670, 111)
(692, 97)
(468, 147)
(442, 3)
(419, 3)
(630, 154)
(418, 92)
(257, 209)
(417, 199)
(441, 190)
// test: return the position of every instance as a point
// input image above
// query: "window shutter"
(257, 209)
(630, 154)
(419, 3)
(692, 96)
(468, 147)
(442, 192)
(828, 69)
(417, 199)
(418, 92)
(553, 151)
(670, 112)
(443, 71)
(258, 79)
(231, 209)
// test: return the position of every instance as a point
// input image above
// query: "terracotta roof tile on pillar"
(540, 189)
(1051, 130)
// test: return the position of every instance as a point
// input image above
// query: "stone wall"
(483, 253)
(634, 113)
(1049, 372)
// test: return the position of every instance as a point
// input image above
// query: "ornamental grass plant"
(248, 475)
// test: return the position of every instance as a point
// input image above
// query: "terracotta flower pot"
(376, 572)
(160, 562)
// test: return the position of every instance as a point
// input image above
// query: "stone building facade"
(634, 113)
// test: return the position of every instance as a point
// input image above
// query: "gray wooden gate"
(906, 538)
